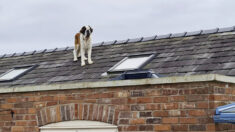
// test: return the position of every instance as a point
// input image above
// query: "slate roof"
(180, 54)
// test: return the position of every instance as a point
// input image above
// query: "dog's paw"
(90, 62)
(83, 64)
(75, 60)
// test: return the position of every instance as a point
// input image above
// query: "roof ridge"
(125, 41)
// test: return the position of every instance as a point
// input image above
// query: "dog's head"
(86, 31)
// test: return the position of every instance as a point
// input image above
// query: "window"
(134, 62)
(79, 126)
(15, 73)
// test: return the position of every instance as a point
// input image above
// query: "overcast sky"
(27, 25)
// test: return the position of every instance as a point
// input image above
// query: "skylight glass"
(15, 73)
(133, 62)
(12, 74)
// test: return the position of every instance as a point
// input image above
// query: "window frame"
(150, 58)
(28, 67)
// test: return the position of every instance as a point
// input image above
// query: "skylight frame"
(150, 58)
(27, 67)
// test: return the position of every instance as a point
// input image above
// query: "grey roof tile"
(210, 31)
(193, 33)
(122, 41)
(109, 42)
(1, 56)
(227, 29)
(50, 50)
(135, 40)
(40, 51)
(98, 44)
(163, 36)
(70, 48)
(19, 54)
(62, 49)
(9, 55)
(175, 35)
(30, 52)
(149, 38)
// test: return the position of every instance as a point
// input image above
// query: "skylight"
(133, 62)
(15, 73)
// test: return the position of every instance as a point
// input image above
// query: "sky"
(27, 25)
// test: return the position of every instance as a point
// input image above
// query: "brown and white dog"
(83, 45)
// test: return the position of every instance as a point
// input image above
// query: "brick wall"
(168, 107)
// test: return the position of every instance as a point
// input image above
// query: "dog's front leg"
(82, 52)
(89, 54)
(75, 52)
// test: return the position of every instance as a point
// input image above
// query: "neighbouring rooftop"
(181, 54)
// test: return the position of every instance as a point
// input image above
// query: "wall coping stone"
(120, 83)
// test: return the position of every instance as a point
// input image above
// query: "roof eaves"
(122, 83)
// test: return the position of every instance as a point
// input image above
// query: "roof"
(180, 54)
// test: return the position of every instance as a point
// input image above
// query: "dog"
(83, 45)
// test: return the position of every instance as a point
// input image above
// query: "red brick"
(106, 95)
(146, 127)
(188, 120)
(125, 114)
(197, 113)
(21, 123)
(170, 120)
(160, 99)
(47, 98)
(17, 129)
(131, 100)
(58, 117)
(153, 106)
(175, 113)
(210, 127)
(144, 100)
(169, 106)
(90, 112)
(187, 105)
(199, 97)
(129, 128)
(170, 91)
(6, 106)
(1, 123)
(119, 101)
(137, 121)
(177, 98)
(124, 121)
(160, 113)
(100, 113)
(162, 127)
(219, 97)
(5, 118)
(31, 123)
(105, 115)
(12, 100)
(180, 127)
(80, 113)
(202, 105)
(197, 127)
(153, 92)
(32, 111)
(52, 103)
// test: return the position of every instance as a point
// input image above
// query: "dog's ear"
(83, 30)
(91, 29)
